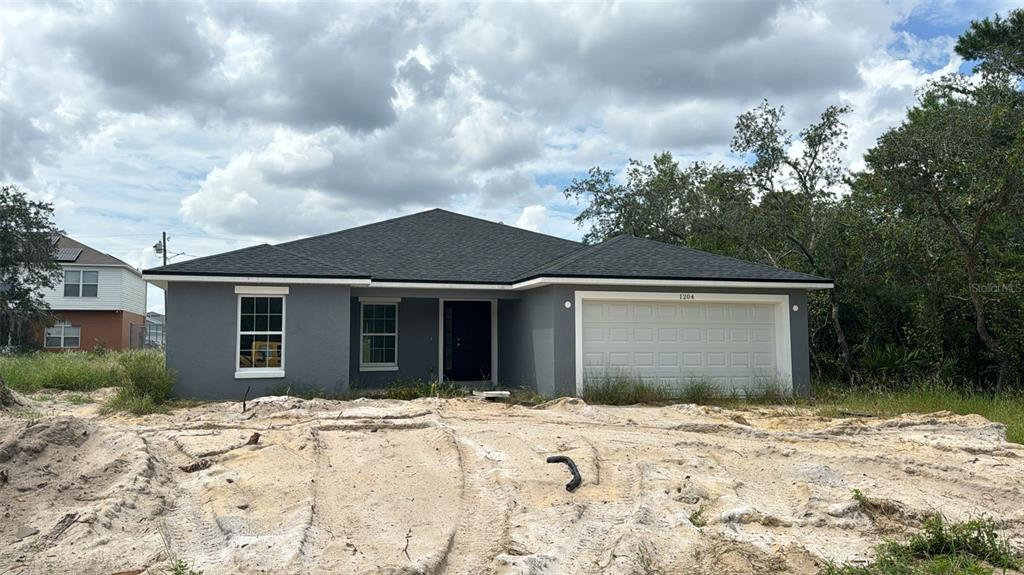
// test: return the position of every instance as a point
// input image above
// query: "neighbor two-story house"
(99, 301)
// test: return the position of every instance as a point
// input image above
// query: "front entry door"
(467, 340)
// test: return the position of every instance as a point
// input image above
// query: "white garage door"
(675, 343)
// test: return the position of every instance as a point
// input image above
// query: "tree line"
(925, 244)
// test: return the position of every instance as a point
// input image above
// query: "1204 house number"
(686, 296)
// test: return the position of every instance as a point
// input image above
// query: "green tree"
(702, 206)
(798, 189)
(997, 42)
(27, 264)
(957, 166)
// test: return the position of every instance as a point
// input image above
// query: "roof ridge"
(442, 210)
(493, 223)
(88, 247)
(359, 227)
(345, 269)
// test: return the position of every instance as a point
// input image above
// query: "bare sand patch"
(461, 486)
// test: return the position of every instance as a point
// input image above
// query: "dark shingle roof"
(632, 257)
(69, 251)
(438, 246)
(441, 246)
(262, 260)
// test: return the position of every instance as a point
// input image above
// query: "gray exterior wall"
(417, 344)
(202, 340)
(418, 315)
(552, 326)
(536, 337)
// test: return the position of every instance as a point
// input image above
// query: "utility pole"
(161, 246)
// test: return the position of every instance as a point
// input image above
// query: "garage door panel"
(739, 335)
(618, 334)
(643, 311)
(739, 359)
(668, 335)
(643, 334)
(762, 359)
(715, 335)
(674, 344)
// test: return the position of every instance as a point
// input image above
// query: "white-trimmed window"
(378, 336)
(63, 335)
(260, 335)
(81, 283)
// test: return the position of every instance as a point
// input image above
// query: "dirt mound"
(462, 486)
(11, 399)
(74, 492)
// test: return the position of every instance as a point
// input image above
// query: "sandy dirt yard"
(461, 486)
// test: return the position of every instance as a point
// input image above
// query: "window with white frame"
(260, 333)
(81, 283)
(379, 336)
(63, 335)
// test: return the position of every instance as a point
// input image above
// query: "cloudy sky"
(228, 124)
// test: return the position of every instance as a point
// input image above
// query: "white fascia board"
(684, 297)
(431, 285)
(543, 281)
(75, 265)
(261, 290)
(255, 280)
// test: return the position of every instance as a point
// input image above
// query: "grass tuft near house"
(144, 384)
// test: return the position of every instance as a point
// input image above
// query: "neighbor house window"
(63, 335)
(379, 336)
(81, 283)
(260, 334)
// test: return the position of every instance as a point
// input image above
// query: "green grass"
(144, 384)
(78, 371)
(620, 389)
(923, 397)
(148, 383)
(78, 399)
(396, 389)
(883, 399)
(967, 548)
(697, 518)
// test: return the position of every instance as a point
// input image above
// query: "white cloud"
(532, 218)
(228, 127)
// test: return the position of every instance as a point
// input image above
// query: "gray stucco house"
(442, 295)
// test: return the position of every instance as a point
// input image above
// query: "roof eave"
(161, 279)
(541, 281)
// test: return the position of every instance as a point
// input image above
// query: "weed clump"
(965, 548)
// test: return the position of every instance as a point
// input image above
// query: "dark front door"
(467, 340)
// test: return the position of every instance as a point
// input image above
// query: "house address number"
(686, 296)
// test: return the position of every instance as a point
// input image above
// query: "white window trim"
(81, 282)
(63, 325)
(783, 345)
(390, 366)
(259, 372)
(494, 335)
(261, 290)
